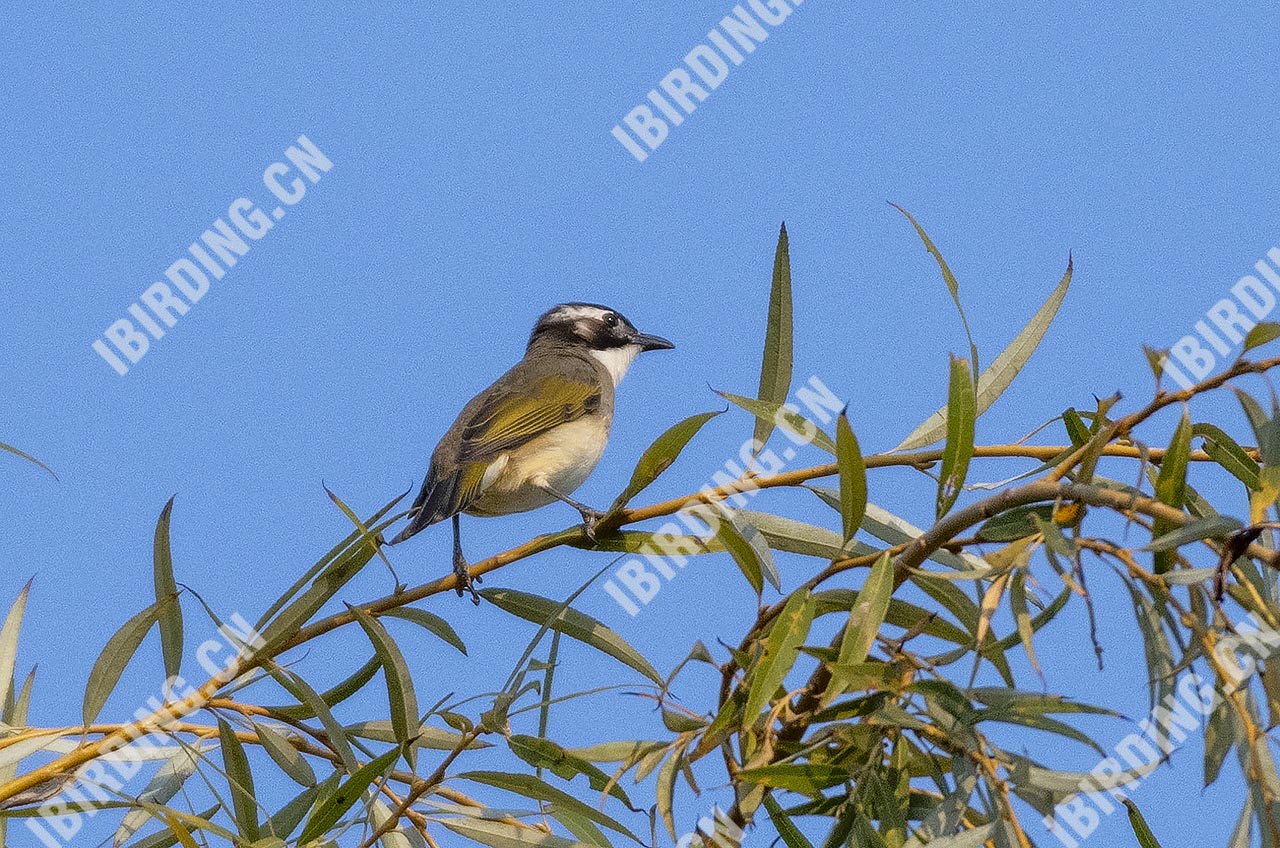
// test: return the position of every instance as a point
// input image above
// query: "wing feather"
(509, 414)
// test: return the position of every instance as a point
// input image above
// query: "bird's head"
(603, 332)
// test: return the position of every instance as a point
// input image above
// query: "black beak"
(648, 342)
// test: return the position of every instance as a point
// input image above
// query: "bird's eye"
(610, 320)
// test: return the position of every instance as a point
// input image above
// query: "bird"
(536, 434)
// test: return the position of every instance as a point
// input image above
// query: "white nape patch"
(617, 360)
(573, 313)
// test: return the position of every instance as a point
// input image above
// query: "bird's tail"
(435, 502)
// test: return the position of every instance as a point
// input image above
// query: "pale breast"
(561, 458)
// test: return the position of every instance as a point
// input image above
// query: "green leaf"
(1209, 527)
(334, 696)
(571, 623)
(430, 622)
(167, 587)
(1171, 487)
(1226, 452)
(1146, 838)
(791, 835)
(308, 697)
(947, 277)
(240, 779)
(284, 755)
(1000, 374)
(809, 779)
(1017, 523)
(400, 691)
(1262, 333)
(163, 786)
(330, 809)
(1022, 616)
(28, 457)
(543, 753)
(867, 614)
(773, 413)
(498, 834)
(797, 537)
(9, 635)
(345, 566)
(531, 787)
(746, 545)
(658, 457)
(853, 478)
(775, 368)
(781, 649)
(961, 414)
(115, 656)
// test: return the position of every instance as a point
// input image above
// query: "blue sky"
(475, 183)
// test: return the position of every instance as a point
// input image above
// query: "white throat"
(617, 360)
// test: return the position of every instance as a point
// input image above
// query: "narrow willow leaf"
(284, 755)
(1146, 838)
(791, 835)
(425, 736)
(334, 696)
(1262, 333)
(402, 835)
(326, 584)
(1209, 527)
(531, 787)
(498, 834)
(1171, 487)
(163, 786)
(322, 564)
(748, 547)
(999, 375)
(571, 623)
(947, 277)
(300, 689)
(288, 817)
(781, 649)
(1022, 617)
(853, 479)
(658, 457)
(1224, 450)
(169, 839)
(797, 537)
(1076, 430)
(961, 414)
(665, 790)
(29, 458)
(400, 692)
(115, 656)
(868, 612)
(808, 779)
(430, 622)
(240, 778)
(1015, 524)
(775, 368)
(543, 753)
(9, 635)
(329, 809)
(797, 427)
(896, 530)
(1219, 736)
(167, 587)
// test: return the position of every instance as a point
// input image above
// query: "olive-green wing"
(512, 419)
(502, 422)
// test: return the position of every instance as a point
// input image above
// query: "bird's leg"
(590, 517)
(466, 582)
